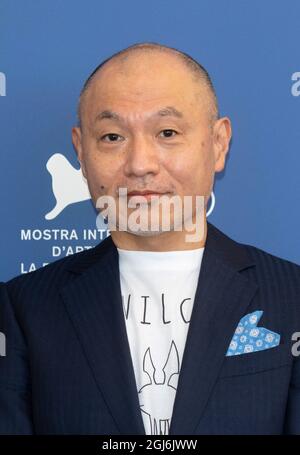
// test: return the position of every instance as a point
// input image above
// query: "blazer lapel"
(93, 302)
(222, 297)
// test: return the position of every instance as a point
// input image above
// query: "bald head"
(125, 60)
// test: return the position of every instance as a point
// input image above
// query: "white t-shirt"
(158, 291)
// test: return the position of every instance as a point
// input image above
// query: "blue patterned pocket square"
(250, 338)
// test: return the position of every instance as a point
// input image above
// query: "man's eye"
(111, 137)
(168, 133)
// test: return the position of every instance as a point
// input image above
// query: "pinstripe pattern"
(68, 368)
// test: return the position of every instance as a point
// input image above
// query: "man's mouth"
(147, 194)
(142, 193)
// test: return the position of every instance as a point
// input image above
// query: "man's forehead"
(167, 111)
(108, 102)
(144, 90)
(129, 111)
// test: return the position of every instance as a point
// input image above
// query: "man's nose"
(141, 157)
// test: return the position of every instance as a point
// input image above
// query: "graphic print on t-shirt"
(158, 291)
(157, 326)
(160, 391)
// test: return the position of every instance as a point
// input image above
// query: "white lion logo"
(68, 184)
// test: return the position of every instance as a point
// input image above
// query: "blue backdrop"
(48, 48)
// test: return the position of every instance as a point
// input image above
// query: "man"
(149, 332)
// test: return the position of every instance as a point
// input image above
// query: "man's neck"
(165, 241)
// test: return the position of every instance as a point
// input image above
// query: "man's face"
(146, 127)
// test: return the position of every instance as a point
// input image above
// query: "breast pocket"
(255, 362)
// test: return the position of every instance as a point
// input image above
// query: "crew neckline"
(122, 250)
(168, 260)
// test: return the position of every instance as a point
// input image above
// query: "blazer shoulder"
(263, 255)
(57, 273)
(274, 267)
(242, 255)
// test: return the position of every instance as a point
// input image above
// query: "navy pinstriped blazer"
(68, 368)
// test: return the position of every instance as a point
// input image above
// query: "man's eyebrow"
(107, 114)
(169, 111)
(166, 111)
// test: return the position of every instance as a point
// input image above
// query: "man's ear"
(77, 142)
(221, 141)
